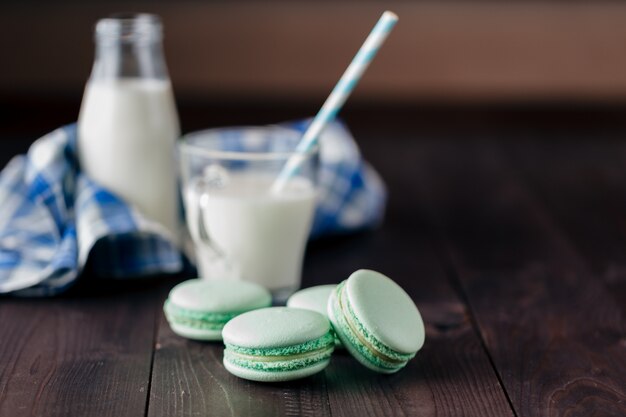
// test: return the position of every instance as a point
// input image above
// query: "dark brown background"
(441, 50)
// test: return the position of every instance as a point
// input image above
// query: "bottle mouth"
(129, 27)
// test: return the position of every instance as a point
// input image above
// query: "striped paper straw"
(338, 96)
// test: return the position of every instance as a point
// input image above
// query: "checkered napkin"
(54, 220)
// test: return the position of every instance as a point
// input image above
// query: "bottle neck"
(129, 46)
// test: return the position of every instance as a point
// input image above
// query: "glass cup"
(240, 228)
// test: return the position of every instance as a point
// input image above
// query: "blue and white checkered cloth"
(53, 218)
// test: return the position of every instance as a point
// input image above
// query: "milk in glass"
(251, 233)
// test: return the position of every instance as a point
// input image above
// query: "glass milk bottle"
(128, 122)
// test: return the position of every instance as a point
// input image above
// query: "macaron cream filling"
(282, 358)
(363, 341)
(196, 319)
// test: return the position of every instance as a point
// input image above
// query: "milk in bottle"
(128, 122)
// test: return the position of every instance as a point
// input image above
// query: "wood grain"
(583, 186)
(554, 332)
(77, 356)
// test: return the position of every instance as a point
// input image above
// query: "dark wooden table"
(508, 232)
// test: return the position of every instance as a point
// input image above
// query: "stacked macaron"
(372, 316)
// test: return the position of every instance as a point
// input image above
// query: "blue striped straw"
(338, 96)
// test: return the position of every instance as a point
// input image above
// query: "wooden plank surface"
(512, 249)
(554, 332)
(583, 184)
(83, 355)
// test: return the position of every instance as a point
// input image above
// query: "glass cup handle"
(203, 234)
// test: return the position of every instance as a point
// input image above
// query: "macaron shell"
(196, 334)
(275, 327)
(386, 310)
(363, 360)
(316, 299)
(312, 298)
(219, 296)
(264, 376)
(351, 342)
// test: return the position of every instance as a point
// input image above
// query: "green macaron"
(199, 309)
(376, 321)
(314, 298)
(277, 344)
